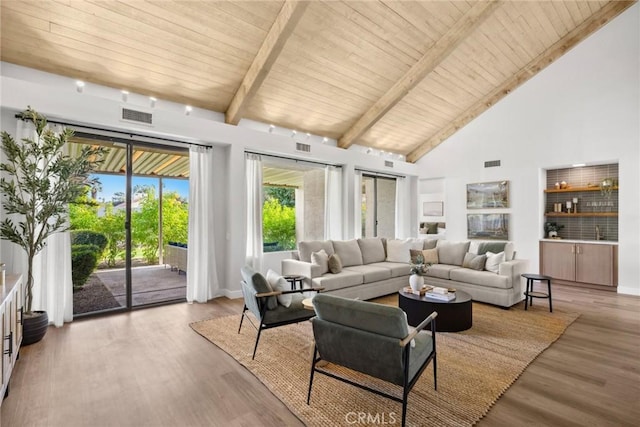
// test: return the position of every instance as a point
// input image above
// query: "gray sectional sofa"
(373, 267)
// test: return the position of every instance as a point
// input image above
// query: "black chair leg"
(313, 371)
(549, 290)
(435, 372)
(405, 395)
(257, 339)
(244, 310)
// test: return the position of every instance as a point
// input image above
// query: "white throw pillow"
(279, 283)
(398, 251)
(321, 258)
(494, 261)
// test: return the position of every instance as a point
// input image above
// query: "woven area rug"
(475, 368)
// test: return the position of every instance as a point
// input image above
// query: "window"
(378, 206)
(294, 203)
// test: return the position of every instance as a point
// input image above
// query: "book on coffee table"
(442, 297)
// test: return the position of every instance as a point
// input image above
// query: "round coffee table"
(453, 316)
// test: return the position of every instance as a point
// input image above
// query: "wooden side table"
(530, 294)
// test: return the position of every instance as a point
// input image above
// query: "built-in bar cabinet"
(11, 309)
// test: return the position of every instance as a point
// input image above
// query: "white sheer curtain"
(52, 285)
(253, 170)
(202, 275)
(403, 215)
(357, 204)
(333, 203)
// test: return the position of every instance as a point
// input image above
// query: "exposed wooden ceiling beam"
(429, 61)
(597, 20)
(275, 40)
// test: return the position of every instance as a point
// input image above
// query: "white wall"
(57, 98)
(584, 108)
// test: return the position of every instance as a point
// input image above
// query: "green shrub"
(84, 260)
(89, 237)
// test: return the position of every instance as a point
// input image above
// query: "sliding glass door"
(124, 228)
(378, 206)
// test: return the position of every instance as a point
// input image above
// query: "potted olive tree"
(38, 182)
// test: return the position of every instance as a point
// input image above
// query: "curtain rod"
(131, 134)
(292, 159)
(381, 174)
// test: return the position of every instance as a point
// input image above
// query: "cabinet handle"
(10, 338)
(573, 249)
(577, 249)
(21, 315)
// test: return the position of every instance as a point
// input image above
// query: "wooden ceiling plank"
(137, 20)
(441, 49)
(604, 15)
(262, 20)
(126, 30)
(273, 44)
(564, 15)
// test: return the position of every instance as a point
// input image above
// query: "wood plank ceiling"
(399, 76)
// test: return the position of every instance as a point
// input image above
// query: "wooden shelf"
(574, 189)
(581, 214)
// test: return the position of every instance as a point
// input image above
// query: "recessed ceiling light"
(325, 140)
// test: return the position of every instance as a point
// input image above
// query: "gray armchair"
(261, 300)
(373, 339)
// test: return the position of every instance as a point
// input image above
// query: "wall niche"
(595, 207)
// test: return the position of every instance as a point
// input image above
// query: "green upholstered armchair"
(373, 339)
(261, 300)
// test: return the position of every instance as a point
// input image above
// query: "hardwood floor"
(148, 368)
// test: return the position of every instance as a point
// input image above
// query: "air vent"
(492, 164)
(303, 147)
(388, 163)
(137, 116)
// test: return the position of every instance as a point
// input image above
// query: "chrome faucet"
(598, 235)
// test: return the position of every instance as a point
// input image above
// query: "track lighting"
(152, 101)
(271, 128)
(79, 86)
(187, 110)
(125, 95)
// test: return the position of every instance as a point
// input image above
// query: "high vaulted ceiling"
(399, 76)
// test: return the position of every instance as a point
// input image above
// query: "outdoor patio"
(150, 284)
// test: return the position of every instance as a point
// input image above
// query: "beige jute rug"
(475, 368)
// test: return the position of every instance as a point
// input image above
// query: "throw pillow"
(321, 259)
(261, 285)
(279, 283)
(430, 256)
(335, 264)
(473, 261)
(493, 261)
(398, 251)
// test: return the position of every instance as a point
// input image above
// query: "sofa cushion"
(370, 273)
(494, 261)
(349, 252)
(481, 248)
(372, 250)
(473, 261)
(305, 248)
(452, 253)
(344, 279)
(335, 264)
(429, 244)
(397, 269)
(441, 271)
(321, 259)
(481, 278)
(429, 256)
(398, 250)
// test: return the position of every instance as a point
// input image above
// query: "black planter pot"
(34, 327)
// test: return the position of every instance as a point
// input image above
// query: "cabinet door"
(594, 264)
(558, 260)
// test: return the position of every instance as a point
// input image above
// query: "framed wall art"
(488, 226)
(432, 208)
(485, 195)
